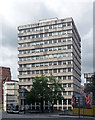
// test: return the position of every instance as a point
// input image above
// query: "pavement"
(44, 116)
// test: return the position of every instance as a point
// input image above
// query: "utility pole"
(79, 105)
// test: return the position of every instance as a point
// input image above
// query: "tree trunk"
(93, 101)
(42, 106)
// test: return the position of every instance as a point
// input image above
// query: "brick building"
(5, 75)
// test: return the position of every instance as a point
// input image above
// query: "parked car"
(13, 109)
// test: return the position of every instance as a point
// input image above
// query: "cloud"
(19, 12)
(9, 57)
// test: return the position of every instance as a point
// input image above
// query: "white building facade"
(10, 94)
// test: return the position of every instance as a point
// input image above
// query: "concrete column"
(57, 104)
(39, 106)
(35, 105)
(62, 104)
(67, 104)
(31, 106)
(44, 105)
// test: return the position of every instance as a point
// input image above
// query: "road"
(44, 116)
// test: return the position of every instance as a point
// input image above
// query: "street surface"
(43, 116)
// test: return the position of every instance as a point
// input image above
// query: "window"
(41, 28)
(59, 62)
(69, 31)
(69, 69)
(64, 24)
(46, 27)
(69, 62)
(63, 32)
(46, 71)
(50, 27)
(58, 70)
(28, 65)
(41, 43)
(37, 71)
(41, 50)
(64, 77)
(46, 64)
(60, 33)
(69, 54)
(50, 34)
(69, 101)
(28, 37)
(20, 66)
(55, 48)
(33, 36)
(59, 25)
(55, 70)
(50, 63)
(54, 26)
(33, 65)
(28, 72)
(59, 77)
(41, 64)
(65, 102)
(28, 79)
(64, 85)
(64, 39)
(64, 93)
(69, 84)
(33, 51)
(59, 40)
(50, 41)
(54, 41)
(37, 57)
(69, 93)
(69, 24)
(60, 55)
(55, 63)
(46, 49)
(55, 55)
(69, 46)
(61, 70)
(64, 54)
(69, 39)
(46, 42)
(50, 71)
(50, 49)
(37, 65)
(59, 48)
(41, 35)
(69, 77)
(64, 47)
(33, 72)
(64, 69)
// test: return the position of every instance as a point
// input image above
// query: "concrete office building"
(10, 94)
(88, 76)
(52, 45)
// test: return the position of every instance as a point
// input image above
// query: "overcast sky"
(19, 12)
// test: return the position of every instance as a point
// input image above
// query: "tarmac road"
(43, 116)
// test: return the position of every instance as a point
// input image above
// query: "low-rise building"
(10, 94)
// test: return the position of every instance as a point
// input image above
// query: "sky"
(14, 13)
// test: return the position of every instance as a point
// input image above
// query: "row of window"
(47, 71)
(45, 27)
(45, 35)
(46, 49)
(45, 42)
(56, 77)
(28, 80)
(50, 56)
(68, 62)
